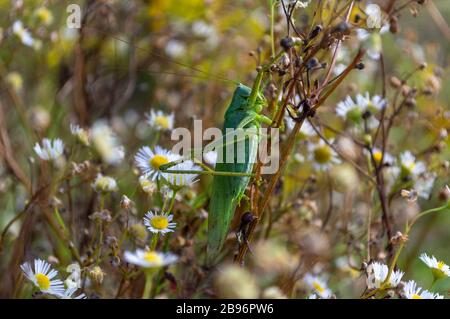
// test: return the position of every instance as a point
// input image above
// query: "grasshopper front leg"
(166, 169)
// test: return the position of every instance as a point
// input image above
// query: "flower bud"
(97, 274)
(126, 203)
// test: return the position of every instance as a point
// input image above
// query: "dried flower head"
(235, 282)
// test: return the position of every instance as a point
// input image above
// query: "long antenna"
(190, 67)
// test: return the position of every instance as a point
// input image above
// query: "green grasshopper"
(231, 179)
(227, 191)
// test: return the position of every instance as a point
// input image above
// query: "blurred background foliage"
(180, 56)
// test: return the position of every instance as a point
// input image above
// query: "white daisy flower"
(362, 34)
(80, 133)
(343, 264)
(354, 111)
(181, 179)
(74, 279)
(207, 32)
(345, 107)
(374, 16)
(423, 184)
(43, 277)
(161, 121)
(439, 268)
(147, 185)
(290, 123)
(422, 181)
(372, 42)
(374, 103)
(50, 149)
(322, 155)
(69, 294)
(412, 291)
(377, 273)
(409, 165)
(318, 285)
(168, 192)
(299, 158)
(305, 130)
(395, 278)
(149, 161)
(175, 48)
(159, 223)
(202, 29)
(105, 142)
(210, 157)
(298, 4)
(313, 296)
(378, 156)
(23, 34)
(149, 259)
(104, 184)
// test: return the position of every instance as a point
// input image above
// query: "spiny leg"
(166, 169)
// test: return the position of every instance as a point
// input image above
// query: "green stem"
(258, 80)
(435, 279)
(272, 19)
(154, 241)
(407, 230)
(156, 138)
(148, 284)
(98, 248)
(255, 89)
(429, 211)
(172, 201)
(60, 220)
(102, 202)
(165, 244)
(164, 204)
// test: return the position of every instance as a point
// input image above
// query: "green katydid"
(231, 178)
(227, 191)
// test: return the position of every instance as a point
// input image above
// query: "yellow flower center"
(83, 137)
(318, 287)
(162, 121)
(103, 183)
(410, 167)
(416, 296)
(45, 15)
(159, 222)
(440, 265)
(377, 157)
(158, 160)
(152, 257)
(15, 80)
(322, 154)
(43, 281)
